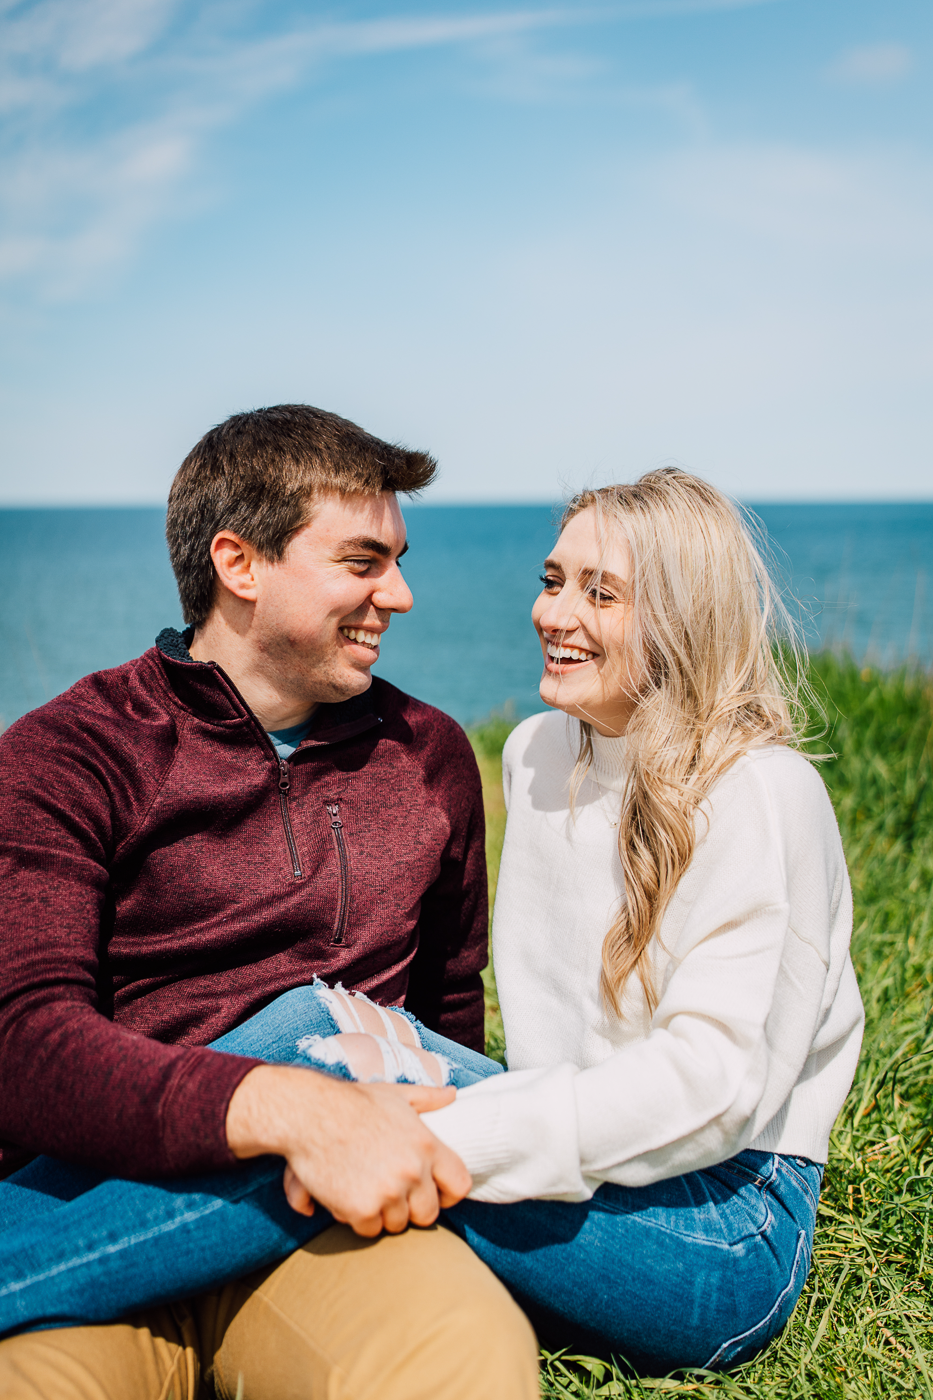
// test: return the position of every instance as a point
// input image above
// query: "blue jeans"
(702, 1269)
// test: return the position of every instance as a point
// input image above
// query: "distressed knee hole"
(370, 1059)
(353, 1011)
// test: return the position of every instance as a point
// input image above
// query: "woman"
(671, 944)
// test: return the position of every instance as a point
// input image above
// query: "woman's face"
(584, 620)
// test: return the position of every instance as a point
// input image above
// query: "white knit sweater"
(756, 1035)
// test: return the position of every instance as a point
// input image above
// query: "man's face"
(321, 611)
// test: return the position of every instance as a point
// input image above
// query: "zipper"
(285, 783)
(336, 826)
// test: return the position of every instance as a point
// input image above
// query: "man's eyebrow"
(370, 546)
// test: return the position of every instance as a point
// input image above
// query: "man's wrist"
(263, 1107)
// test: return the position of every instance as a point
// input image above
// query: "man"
(190, 835)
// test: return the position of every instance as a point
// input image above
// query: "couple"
(200, 845)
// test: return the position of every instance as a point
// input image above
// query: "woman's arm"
(754, 945)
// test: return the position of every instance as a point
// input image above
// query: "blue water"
(89, 588)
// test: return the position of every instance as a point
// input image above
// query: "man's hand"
(361, 1150)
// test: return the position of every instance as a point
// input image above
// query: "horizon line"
(536, 502)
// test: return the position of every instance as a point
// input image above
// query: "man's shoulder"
(105, 701)
(433, 740)
(392, 704)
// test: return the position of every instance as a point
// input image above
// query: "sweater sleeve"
(74, 1084)
(706, 1079)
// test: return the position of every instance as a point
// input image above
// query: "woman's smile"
(561, 658)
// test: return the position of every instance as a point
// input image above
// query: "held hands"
(360, 1150)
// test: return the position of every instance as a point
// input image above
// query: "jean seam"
(765, 1225)
(752, 1178)
(746, 1336)
(801, 1181)
(126, 1241)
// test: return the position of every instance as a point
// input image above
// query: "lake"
(89, 588)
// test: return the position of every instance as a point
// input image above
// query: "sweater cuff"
(194, 1118)
(517, 1135)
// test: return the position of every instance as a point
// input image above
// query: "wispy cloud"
(871, 65)
(108, 104)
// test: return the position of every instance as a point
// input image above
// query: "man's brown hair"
(259, 474)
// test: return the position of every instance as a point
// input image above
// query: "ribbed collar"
(205, 687)
(610, 759)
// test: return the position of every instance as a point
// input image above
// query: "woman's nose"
(558, 613)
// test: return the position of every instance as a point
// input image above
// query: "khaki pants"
(406, 1317)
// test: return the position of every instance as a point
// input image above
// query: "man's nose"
(393, 593)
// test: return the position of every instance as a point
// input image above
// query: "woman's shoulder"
(780, 766)
(547, 733)
(538, 759)
(782, 777)
(769, 819)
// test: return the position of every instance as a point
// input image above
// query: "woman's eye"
(550, 582)
(599, 597)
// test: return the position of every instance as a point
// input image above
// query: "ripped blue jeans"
(700, 1270)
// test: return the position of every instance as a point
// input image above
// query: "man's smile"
(362, 638)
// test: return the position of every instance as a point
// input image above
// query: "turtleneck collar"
(610, 759)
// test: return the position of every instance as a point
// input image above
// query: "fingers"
(298, 1197)
(423, 1099)
(369, 1226)
(420, 1205)
(396, 1215)
(450, 1175)
(424, 1204)
(364, 1153)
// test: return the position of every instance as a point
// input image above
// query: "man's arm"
(445, 985)
(72, 1083)
(76, 1086)
(360, 1150)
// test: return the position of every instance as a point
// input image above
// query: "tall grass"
(864, 1324)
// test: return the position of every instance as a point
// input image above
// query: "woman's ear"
(235, 562)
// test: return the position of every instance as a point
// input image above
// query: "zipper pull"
(284, 789)
(335, 821)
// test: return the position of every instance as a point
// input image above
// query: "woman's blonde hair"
(719, 672)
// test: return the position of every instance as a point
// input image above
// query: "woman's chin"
(557, 695)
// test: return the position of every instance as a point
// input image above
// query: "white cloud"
(871, 65)
(77, 35)
(77, 191)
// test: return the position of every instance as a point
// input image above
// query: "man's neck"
(217, 641)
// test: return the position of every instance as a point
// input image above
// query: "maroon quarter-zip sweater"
(163, 876)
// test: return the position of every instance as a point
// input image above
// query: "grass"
(864, 1324)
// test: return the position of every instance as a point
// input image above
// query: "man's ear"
(235, 561)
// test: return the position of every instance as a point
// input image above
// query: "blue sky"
(553, 244)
